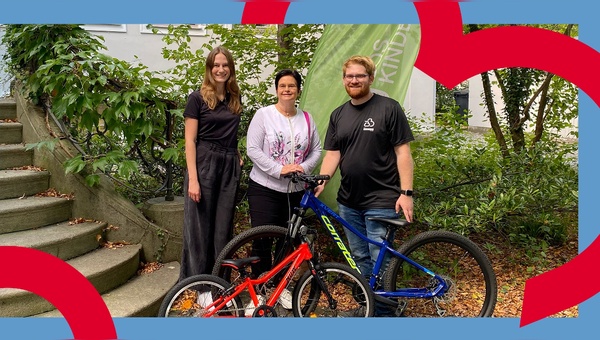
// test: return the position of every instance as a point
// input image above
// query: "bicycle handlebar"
(312, 180)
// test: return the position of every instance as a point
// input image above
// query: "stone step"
(11, 133)
(63, 240)
(32, 212)
(140, 296)
(19, 183)
(105, 268)
(14, 155)
(8, 109)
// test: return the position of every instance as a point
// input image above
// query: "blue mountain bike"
(433, 274)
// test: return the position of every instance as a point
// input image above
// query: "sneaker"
(285, 299)
(249, 310)
(205, 299)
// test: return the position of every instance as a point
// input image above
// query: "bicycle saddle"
(240, 263)
(390, 221)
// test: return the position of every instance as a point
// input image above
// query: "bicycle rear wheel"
(352, 296)
(465, 267)
(264, 241)
(189, 298)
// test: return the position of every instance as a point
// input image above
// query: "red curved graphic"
(538, 289)
(61, 285)
(467, 55)
(264, 11)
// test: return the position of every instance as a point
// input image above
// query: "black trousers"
(208, 224)
(269, 207)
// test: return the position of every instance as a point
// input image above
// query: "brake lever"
(292, 176)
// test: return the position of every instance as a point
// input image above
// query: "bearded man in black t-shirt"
(368, 138)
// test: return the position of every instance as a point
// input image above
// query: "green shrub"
(465, 185)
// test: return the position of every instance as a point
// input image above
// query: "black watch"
(406, 192)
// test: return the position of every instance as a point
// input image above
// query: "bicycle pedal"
(386, 301)
(401, 307)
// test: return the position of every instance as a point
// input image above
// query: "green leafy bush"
(464, 184)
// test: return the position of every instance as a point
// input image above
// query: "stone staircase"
(45, 222)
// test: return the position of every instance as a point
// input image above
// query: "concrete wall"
(4, 78)
(134, 43)
(479, 116)
(420, 97)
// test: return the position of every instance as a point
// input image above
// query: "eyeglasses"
(349, 77)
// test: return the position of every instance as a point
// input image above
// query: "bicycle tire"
(473, 290)
(241, 246)
(183, 299)
(349, 288)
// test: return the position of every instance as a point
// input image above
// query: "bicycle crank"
(264, 311)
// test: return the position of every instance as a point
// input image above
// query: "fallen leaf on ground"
(51, 192)
(147, 268)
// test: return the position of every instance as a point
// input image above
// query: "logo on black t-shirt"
(369, 124)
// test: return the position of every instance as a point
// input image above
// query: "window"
(105, 28)
(195, 29)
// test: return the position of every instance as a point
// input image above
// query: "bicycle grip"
(322, 177)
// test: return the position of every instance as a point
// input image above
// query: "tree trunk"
(284, 44)
(489, 103)
(516, 131)
(516, 86)
(541, 117)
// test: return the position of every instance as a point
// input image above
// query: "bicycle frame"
(296, 258)
(310, 201)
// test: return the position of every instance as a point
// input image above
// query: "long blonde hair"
(209, 87)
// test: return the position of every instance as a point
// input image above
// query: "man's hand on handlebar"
(319, 189)
(323, 179)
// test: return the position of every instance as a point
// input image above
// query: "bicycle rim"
(193, 296)
(467, 270)
(350, 291)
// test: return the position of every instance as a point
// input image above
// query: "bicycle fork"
(314, 272)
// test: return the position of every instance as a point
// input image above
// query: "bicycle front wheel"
(193, 296)
(465, 267)
(345, 293)
(267, 242)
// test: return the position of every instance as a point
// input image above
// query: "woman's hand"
(241, 158)
(194, 191)
(291, 168)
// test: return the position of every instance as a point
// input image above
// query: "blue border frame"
(582, 12)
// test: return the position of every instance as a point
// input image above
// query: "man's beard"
(357, 92)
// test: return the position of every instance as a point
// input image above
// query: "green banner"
(393, 48)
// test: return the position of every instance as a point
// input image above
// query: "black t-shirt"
(366, 135)
(217, 126)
